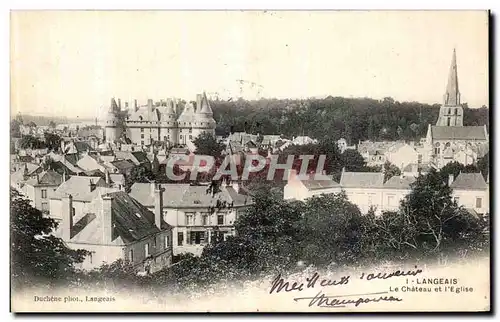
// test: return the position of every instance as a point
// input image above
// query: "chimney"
(450, 179)
(236, 186)
(107, 219)
(106, 176)
(199, 98)
(37, 178)
(150, 104)
(158, 206)
(153, 187)
(136, 107)
(64, 176)
(67, 217)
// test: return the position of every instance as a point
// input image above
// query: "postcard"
(249, 161)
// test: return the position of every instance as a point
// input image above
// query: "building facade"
(198, 214)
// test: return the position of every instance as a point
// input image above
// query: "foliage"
(355, 119)
(483, 164)
(455, 168)
(36, 254)
(52, 141)
(138, 174)
(206, 144)
(390, 170)
(428, 222)
(15, 129)
(31, 142)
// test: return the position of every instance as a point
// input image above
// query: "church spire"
(452, 95)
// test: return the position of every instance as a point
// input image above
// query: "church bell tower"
(451, 112)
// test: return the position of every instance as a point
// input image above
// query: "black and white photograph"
(249, 161)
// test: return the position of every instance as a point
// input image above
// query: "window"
(197, 237)
(456, 111)
(142, 136)
(45, 206)
(146, 250)
(220, 219)
(154, 242)
(180, 239)
(131, 255)
(190, 130)
(419, 158)
(44, 193)
(479, 202)
(181, 137)
(190, 137)
(448, 121)
(390, 200)
(142, 142)
(142, 130)
(189, 219)
(74, 211)
(204, 219)
(167, 242)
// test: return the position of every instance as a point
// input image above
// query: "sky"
(72, 63)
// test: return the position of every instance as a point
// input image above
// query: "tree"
(15, 129)
(455, 168)
(428, 222)
(483, 164)
(52, 141)
(390, 170)
(206, 144)
(31, 142)
(52, 124)
(36, 254)
(138, 174)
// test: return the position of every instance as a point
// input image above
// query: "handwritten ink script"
(280, 284)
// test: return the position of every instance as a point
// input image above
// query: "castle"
(150, 123)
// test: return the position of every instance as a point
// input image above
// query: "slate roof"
(137, 157)
(131, 222)
(79, 188)
(398, 182)
(46, 178)
(414, 167)
(186, 195)
(123, 164)
(362, 179)
(81, 146)
(469, 181)
(458, 133)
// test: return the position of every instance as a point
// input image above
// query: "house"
(22, 173)
(303, 140)
(199, 214)
(300, 189)
(401, 154)
(83, 190)
(89, 162)
(139, 158)
(364, 189)
(115, 226)
(394, 190)
(122, 166)
(414, 169)
(471, 191)
(41, 187)
(343, 146)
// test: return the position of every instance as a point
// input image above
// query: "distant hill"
(45, 120)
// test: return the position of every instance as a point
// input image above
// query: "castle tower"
(451, 112)
(204, 117)
(112, 130)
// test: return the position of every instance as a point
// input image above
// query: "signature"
(322, 300)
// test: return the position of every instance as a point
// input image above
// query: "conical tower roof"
(187, 114)
(452, 95)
